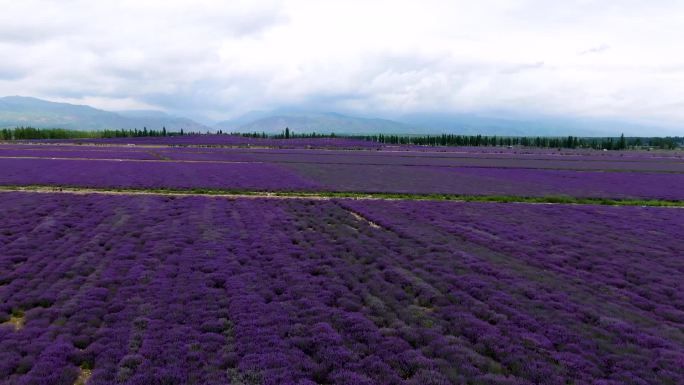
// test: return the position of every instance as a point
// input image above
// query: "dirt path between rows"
(330, 195)
(86, 191)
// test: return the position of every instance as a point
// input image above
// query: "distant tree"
(287, 133)
(622, 144)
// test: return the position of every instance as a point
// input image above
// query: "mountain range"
(27, 111)
(307, 121)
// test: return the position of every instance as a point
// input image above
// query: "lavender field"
(151, 164)
(301, 192)
(104, 285)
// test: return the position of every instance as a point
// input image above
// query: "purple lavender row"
(385, 158)
(204, 290)
(125, 294)
(493, 181)
(629, 157)
(407, 151)
(192, 291)
(595, 290)
(640, 264)
(355, 178)
(18, 152)
(636, 156)
(542, 151)
(616, 163)
(153, 175)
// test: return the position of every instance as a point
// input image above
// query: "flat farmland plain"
(617, 176)
(103, 285)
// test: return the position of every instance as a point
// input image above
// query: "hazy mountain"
(143, 113)
(320, 122)
(529, 125)
(435, 123)
(236, 123)
(26, 111)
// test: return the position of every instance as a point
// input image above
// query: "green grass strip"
(553, 199)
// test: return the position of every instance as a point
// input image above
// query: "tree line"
(23, 133)
(286, 134)
(607, 143)
(619, 143)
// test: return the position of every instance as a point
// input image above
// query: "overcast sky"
(218, 59)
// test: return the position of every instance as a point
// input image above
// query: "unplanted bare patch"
(16, 320)
(83, 376)
(361, 218)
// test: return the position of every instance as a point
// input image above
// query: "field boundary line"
(328, 195)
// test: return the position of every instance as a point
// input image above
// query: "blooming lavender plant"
(200, 290)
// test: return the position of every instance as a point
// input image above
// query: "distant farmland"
(220, 259)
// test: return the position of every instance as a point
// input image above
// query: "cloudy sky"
(217, 59)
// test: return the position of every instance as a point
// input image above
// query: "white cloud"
(614, 58)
